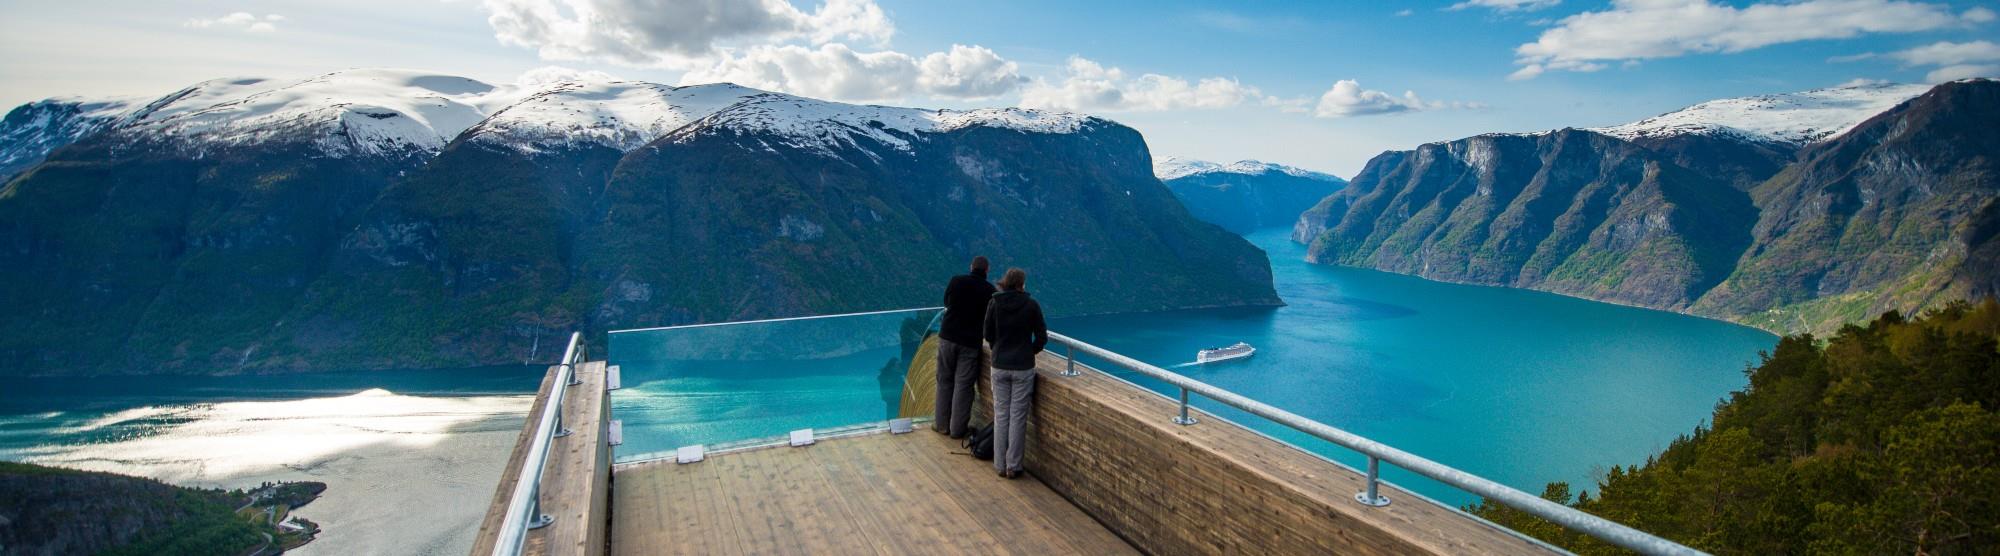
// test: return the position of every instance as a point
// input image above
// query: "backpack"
(980, 442)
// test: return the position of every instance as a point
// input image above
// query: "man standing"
(965, 301)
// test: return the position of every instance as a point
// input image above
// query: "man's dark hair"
(979, 264)
(1014, 280)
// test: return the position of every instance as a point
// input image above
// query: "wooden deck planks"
(873, 494)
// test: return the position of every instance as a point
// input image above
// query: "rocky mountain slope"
(1244, 195)
(390, 219)
(1795, 212)
(1902, 212)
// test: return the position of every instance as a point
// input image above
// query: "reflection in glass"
(719, 383)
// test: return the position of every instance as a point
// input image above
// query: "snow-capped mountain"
(1797, 211)
(1174, 167)
(828, 127)
(400, 112)
(367, 111)
(1244, 195)
(399, 219)
(1793, 118)
(31, 130)
(619, 114)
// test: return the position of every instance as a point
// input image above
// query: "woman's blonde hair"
(1014, 280)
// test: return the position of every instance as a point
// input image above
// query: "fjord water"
(389, 445)
(1521, 387)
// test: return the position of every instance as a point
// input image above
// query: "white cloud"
(1944, 53)
(242, 21)
(1647, 29)
(1405, 12)
(967, 72)
(1861, 82)
(676, 33)
(1962, 71)
(767, 44)
(1090, 86)
(1506, 5)
(556, 74)
(1347, 98)
(1979, 14)
(834, 71)
(1952, 60)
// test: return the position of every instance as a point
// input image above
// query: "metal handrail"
(524, 507)
(768, 321)
(1570, 518)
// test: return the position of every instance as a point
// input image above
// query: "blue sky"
(1275, 70)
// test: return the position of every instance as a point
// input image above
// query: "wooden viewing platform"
(871, 494)
(1108, 473)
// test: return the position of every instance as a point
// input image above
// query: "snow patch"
(1795, 118)
(830, 127)
(623, 115)
(394, 112)
(1173, 167)
(29, 132)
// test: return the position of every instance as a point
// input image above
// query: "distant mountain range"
(1244, 195)
(1795, 212)
(373, 219)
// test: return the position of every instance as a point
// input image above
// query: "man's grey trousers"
(1013, 391)
(957, 371)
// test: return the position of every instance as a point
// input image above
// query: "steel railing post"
(1185, 418)
(1069, 354)
(1372, 497)
(537, 519)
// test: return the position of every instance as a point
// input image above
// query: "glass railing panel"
(731, 382)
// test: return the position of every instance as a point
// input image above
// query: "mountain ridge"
(1244, 195)
(1525, 209)
(311, 235)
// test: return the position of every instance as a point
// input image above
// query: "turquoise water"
(429, 443)
(714, 384)
(1521, 387)
(1518, 386)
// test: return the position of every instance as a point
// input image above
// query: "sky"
(1319, 85)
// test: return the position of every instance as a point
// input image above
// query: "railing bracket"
(1185, 418)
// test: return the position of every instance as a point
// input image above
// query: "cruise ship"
(1119, 462)
(1237, 350)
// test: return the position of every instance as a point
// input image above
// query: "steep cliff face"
(1896, 214)
(1790, 221)
(1570, 211)
(1245, 195)
(756, 224)
(387, 219)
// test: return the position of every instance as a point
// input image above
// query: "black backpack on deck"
(980, 442)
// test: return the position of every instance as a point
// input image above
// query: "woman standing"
(1016, 332)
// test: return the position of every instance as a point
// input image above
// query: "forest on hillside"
(1883, 439)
